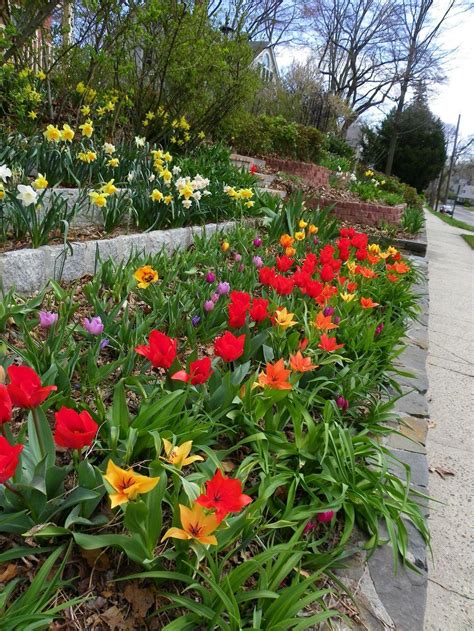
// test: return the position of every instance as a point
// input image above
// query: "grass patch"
(453, 222)
(469, 239)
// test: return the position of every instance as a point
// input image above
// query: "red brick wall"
(367, 213)
(312, 174)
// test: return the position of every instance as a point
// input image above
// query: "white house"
(265, 61)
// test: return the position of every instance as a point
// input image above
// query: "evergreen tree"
(420, 153)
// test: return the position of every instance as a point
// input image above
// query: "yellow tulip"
(127, 484)
(178, 455)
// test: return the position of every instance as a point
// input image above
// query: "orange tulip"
(300, 363)
(196, 524)
(328, 343)
(368, 303)
(324, 323)
(286, 240)
(275, 377)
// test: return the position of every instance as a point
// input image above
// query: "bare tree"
(353, 40)
(418, 41)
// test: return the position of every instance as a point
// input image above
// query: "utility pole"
(451, 163)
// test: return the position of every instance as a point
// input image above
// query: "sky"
(447, 100)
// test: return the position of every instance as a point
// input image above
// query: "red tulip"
(161, 350)
(199, 372)
(259, 310)
(223, 494)
(229, 347)
(9, 456)
(325, 516)
(25, 387)
(74, 430)
(5, 405)
(237, 315)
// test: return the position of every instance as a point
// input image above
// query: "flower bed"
(213, 417)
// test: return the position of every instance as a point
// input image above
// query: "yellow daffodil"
(245, 193)
(283, 318)
(249, 204)
(150, 116)
(113, 162)
(127, 484)
(2, 191)
(40, 75)
(88, 156)
(67, 134)
(168, 157)
(145, 276)
(110, 106)
(196, 524)
(40, 182)
(179, 455)
(85, 110)
(156, 195)
(302, 223)
(98, 199)
(52, 133)
(369, 173)
(299, 236)
(33, 115)
(168, 199)
(87, 128)
(347, 297)
(201, 135)
(109, 188)
(80, 87)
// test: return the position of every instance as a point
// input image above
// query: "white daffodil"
(187, 203)
(176, 170)
(109, 148)
(130, 176)
(27, 194)
(140, 141)
(5, 172)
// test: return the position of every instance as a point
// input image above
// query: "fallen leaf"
(96, 559)
(115, 620)
(441, 471)
(228, 466)
(140, 598)
(8, 573)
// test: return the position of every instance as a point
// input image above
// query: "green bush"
(336, 145)
(274, 135)
(413, 219)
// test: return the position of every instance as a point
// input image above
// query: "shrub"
(413, 219)
(274, 135)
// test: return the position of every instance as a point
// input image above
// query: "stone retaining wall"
(367, 213)
(29, 270)
(312, 174)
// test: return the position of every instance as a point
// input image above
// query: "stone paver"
(450, 602)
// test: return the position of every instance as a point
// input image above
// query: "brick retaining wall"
(367, 213)
(312, 174)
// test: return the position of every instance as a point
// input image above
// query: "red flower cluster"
(241, 304)
(224, 495)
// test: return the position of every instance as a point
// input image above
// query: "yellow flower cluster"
(87, 156)
(243, 194)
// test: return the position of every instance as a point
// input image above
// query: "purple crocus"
(195, 320)
(325, 516)
(379, 329)
(336, 319)
(257, 242)
(103, 343)
(328, 311)
(258, 261)
(47, 319)
(215, 297)
(93, 326)
(342, 403)
(237, 257)
(223, 288)
(208, 305)
(210, 277)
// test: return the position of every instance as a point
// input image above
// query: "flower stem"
(11, 488)
(37, 424)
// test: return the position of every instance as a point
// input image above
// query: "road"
(464, 214)
(450, 444)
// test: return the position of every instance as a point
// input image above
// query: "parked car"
(446, 209)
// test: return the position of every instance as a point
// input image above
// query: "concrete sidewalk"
(450, 445)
